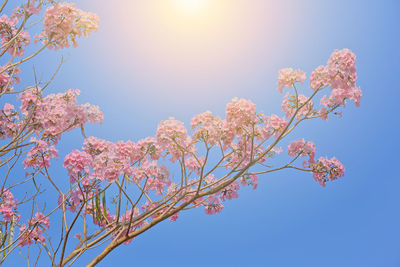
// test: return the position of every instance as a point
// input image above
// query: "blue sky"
(140, 70)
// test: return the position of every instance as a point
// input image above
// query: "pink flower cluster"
(87, 190)
(172, 136)
(241, 137)
(324, 169)
(194, 164)
(241, 115)
(288, 77)
(250, 180)
(9, 121)
(327, 170)
(274, 125)
(242, 152)
(302, 148)
(340, 74)
(213, 205)
(8, 206)
(342, 69)
(40, 154)
(49, 117)
(339, 96)
(319, 78)
(289, 106)
(158, 176)
(32, 7)
(11, 39)
(106, 161)
(230, 192)
(57, 113)
(64, 22)
(149, 147)
(77, 162)
(34, 231)
(8, 77)
(209, 128)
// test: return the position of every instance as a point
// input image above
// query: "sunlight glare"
(191, 7)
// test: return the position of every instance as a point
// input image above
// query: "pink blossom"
(302, 148)
(240, 112)
(254, 181)
(209, 128)
(290, 103)
(8, 206)
(250, 180)
(8, 77)
(277, 150)
(342, 69)
(110, 160)
(31, 8)
(327, 170)
(174, 217)
(40, 219)
(274, 125)
(172, 136)
(11, 38)
(9, 121)
(340, 74)
(194, 165)
(57, 113)
(16, 43)
(241, 116)
(319, 78)
(243, 153)
(88, 189)
(157, 185)
(338, 97)
(77, 163)
(213, 205)
(64, 22)
(288, 76)
(95, 146)
(40, 154)
(209, 179)
(150, 147)
(230, 191)
(34, 232)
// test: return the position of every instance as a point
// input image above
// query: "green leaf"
(104, 205)
(98, 209)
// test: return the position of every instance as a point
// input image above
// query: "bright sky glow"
(192, 7)
(184, 41)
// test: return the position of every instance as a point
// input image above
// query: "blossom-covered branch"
(113, 192)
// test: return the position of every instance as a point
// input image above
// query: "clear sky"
(154, 59)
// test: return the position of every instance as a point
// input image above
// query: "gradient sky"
(152, 59)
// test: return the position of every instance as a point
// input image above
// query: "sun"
(191, 7)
